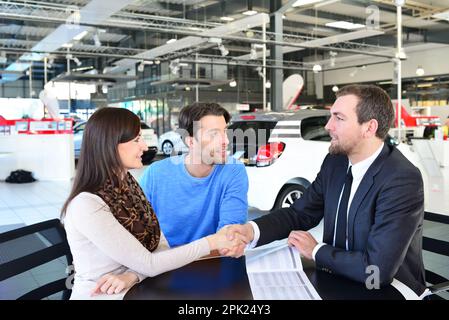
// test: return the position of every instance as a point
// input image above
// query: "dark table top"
(226, 279)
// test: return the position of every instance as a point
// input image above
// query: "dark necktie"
(340, 236)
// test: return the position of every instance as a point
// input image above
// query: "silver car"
(148, 135)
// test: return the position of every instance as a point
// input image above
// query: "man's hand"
(303, 241)
(114, 283)
(244, 233)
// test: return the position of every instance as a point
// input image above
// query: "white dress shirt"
(358, 171)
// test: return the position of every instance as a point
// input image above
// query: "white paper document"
(275, 273)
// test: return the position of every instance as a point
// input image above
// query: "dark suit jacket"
(384, 223)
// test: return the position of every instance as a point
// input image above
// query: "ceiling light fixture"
(353, 72)
(174, 66)
(250, 11)
(420, 71)
(268, 84)
(332, 54)
(141, 67)
(345, 25)
(51, 60)
(301, 3)
(401, 55)
(233, 84)
(221, 47)
(223, 12)
(253, 54)
(90, 68)
(334, 88)
(424, 85)
(81, 35)
(317, 68)
(77, 61)
(223, 50)
(97, 41)
(69, 56)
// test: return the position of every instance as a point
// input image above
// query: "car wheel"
(167, 148)
(288, 195)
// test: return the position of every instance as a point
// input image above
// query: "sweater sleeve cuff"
(140, 276)
(203, 247)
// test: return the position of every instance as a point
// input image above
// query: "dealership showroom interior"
(224, 149)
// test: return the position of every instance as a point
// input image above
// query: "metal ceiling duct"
(325, 41)
(192, 41)
(94, 12)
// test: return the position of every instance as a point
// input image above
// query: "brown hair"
(99, 158)
(198, 110)
(374, 103)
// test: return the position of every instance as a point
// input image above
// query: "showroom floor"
(25, 204)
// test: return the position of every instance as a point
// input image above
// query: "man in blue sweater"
(196, 194)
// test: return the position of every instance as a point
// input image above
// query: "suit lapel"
(362, 190)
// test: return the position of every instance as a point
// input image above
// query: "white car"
(148, 134)
(170, 143)
(291, 158)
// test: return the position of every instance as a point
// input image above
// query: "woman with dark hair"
(111, 227)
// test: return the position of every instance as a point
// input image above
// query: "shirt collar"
(359, 169)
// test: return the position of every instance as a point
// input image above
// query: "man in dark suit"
(370, 196)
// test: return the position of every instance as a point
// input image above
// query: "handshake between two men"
(232, 240)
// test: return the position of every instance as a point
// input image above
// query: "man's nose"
(328, 125)
(226, 140)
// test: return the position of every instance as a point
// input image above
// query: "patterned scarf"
(131, 208)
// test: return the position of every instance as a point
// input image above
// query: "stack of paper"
(275, 273)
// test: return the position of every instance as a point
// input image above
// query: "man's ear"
(371, 128)
(189, 141)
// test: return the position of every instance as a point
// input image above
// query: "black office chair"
(438, 282)
(34, 262)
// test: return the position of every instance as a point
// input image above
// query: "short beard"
(337, 150)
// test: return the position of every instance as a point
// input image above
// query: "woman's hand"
(219, 240)
(115, 283)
